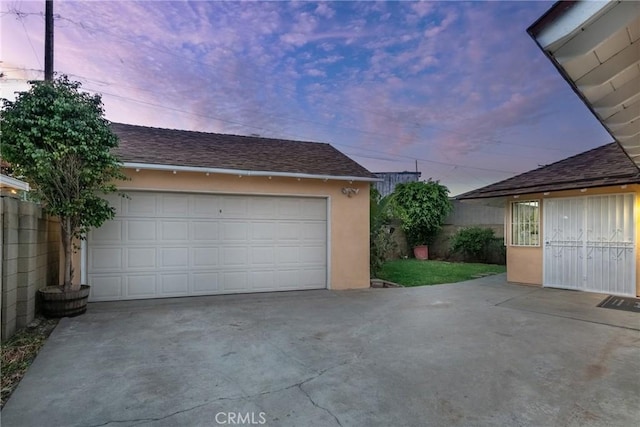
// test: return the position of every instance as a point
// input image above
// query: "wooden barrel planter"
(54, 303)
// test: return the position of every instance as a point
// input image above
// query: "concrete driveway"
(478, 353)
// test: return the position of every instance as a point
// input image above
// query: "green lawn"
(411, 272)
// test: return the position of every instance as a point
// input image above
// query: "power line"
(29, 39)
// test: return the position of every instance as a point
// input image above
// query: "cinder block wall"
(30, 260)
(468, 215)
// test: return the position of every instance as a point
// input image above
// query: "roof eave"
(586, 10)
(245, 172)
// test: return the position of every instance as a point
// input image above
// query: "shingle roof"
(602, 166)
(148, 145)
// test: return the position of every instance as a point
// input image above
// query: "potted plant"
(422, 208)
(56, 137)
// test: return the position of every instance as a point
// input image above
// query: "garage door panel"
(142, 285)
(110, 232)
(287, 255)
(234, 231)
(105, 288)
(314, 231)
(137, 258)
(289, 209)
(262, 280)
(314, 209)
(234, 207)
(174, 284)
(260, 208)
(174, 231)
(262, 255)
(313, 255)
(174, 258)
(106, 258)
(289, 231)
(141, 231)
(174, 205)
(205, 257)
(141, 205)
(205, 207)
(234, 257)
(288, 279)
(235, 281)
(205, 283)
(263, 231)
(171, 245)
(313, 278)
(205, 231)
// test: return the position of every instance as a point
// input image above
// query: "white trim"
(222, 193)
(13, 183)
(511, 221)
(151, 166)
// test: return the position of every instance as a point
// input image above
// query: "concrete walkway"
(479, 353)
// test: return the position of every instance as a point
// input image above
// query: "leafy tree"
(56, 137)
(422, 208)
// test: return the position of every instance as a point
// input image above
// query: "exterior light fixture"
(350, 191)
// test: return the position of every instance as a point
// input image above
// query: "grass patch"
(19, 352)
(412, 272)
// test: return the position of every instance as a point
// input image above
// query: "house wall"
(348, 216)
(30, 258)
(524, 264)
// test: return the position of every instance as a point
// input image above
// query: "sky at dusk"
(458, 86)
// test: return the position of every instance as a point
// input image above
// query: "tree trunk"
(67, 245)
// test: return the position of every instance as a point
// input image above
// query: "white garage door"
(590, 244)
(164, 245)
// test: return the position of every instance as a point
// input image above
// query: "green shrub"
(473, 242)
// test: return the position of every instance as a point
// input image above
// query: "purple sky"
(458, 86)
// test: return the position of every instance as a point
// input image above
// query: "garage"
(165, 244)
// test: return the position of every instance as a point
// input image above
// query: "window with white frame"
(525, 223)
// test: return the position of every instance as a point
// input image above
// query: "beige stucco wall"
(524, 264)
(348, 216)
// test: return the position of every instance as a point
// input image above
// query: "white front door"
(589, 243)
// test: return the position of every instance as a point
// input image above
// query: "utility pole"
(48, 40)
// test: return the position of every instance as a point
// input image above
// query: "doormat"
(621, 303)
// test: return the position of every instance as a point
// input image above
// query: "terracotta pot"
(421, 252)
(55, 303)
